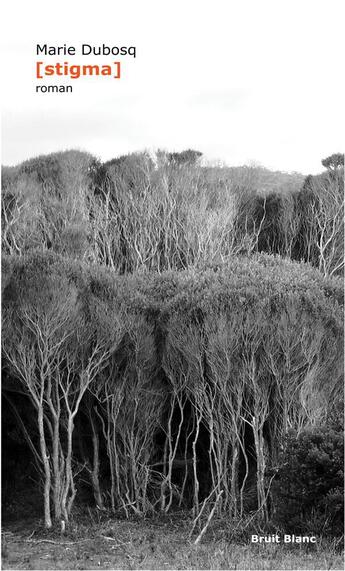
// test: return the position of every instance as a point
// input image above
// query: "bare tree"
(52, 354)
(130, 406)
(328, 213)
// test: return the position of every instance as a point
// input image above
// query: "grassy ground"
(106, 543)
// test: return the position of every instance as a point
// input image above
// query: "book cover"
(172, 285)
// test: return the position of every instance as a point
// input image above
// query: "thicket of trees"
(162, 357)
(138, 213)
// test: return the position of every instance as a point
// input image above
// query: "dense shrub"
(44, 199)
(226, 358)
(308, 488)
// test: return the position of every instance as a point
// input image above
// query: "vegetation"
(169, 212)
(98, 541)
(172, 336)
(308, 488)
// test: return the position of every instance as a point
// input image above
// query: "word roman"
(275, 538)
(54, 89)
(86, 50)
(75, 71)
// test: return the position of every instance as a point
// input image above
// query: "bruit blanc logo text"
(276, 538)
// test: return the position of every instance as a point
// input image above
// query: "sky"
(242, 81)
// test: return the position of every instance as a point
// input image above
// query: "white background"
(239, 80)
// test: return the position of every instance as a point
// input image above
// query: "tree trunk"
(46, 466)
(95, 466)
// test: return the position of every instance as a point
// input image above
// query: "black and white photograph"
(172, 278)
